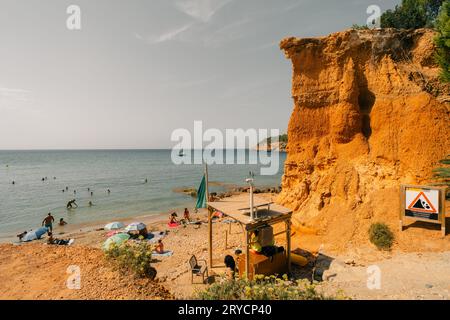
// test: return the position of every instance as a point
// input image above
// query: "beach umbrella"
(114, 226)
(117, 239)
(135, 226)
(34, 234)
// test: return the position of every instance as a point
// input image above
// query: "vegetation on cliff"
(412, 14)
(443, 41)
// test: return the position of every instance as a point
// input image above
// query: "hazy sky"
(137, 70)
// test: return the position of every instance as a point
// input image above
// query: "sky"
(139, 69)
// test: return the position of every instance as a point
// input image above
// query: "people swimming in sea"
(92, 193)
(71, 204)
(74, 191)
(109, 191)
(48, 222)
(89, 189)
(146, 180)
(63, 190)
(62, 222)
(42, 179)
(67, 188)
(13, 182)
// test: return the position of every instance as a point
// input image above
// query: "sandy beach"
(340, 271)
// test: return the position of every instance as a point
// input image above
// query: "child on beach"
(62, 222)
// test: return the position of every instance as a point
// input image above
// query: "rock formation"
(369, 114)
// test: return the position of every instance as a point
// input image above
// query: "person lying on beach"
(52, 240)
(62, 222)
(48, 222)
(20, 236)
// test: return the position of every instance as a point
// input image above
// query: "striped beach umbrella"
(135, 226)
(116, 239)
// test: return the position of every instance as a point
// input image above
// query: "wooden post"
(247, 254)
(210, 239)
(207, 182)
(226, 239)
(288, 244)
(402, 206)
(443, 210)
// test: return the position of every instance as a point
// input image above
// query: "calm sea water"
(24, 204)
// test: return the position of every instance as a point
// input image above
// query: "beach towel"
(229, 221)
(173, 225)
(166, 253)
(153, 237)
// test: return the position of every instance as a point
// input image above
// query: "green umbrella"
(117, 239)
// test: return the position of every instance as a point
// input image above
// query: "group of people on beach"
(173, 221)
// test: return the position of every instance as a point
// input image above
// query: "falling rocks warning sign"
(422, 203)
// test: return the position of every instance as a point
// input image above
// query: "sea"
(41, 176)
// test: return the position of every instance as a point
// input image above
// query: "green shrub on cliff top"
(443, 41)
(412, 14)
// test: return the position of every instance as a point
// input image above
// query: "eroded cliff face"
(369, 114)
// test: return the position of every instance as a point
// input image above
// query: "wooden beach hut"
(265, 214)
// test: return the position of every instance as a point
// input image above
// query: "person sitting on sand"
(48, 221)
(173, 218)
(159, 247)
(231, 266)
(62, 222)
(187, 216)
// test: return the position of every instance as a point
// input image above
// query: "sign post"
(423, 203)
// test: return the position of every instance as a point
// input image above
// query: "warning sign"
(422, 203)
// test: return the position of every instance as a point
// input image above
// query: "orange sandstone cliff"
(369, 114)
